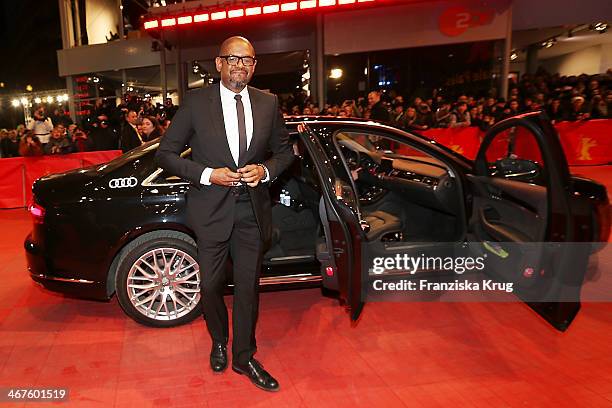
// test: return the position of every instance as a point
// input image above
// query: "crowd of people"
(108, 127)
(563, 98)
(136, 121)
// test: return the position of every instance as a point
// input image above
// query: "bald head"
(236, 41)
(235, 75)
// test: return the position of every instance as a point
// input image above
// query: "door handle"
(498, 231)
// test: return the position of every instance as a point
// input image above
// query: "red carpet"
(398, 355)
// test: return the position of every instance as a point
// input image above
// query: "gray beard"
(237, 84)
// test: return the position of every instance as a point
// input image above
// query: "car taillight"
(38, 213)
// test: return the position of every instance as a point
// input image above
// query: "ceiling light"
(336, 73)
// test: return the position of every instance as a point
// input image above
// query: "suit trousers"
(245, 248)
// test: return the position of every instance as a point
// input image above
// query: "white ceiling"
(565, 45)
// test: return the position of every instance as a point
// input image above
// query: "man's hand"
(224, 177)
(252, 174)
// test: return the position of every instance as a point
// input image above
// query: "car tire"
(157, 279)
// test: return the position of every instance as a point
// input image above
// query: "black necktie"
(242, 137)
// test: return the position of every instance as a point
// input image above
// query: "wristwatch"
(265, 171)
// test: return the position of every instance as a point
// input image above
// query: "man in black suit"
(130, 138)
(377, 109)
(239, 144)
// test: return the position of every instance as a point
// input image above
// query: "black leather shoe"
(258, 376)
(218, 357)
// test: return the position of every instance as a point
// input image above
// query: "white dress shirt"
(230, 118)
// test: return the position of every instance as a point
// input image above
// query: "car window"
(376, 154)
(377, 146)
(334, 177)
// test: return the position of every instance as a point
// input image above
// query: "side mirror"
(513, 168)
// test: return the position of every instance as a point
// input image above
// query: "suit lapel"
(216, 112)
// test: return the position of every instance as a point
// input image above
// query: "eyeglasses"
(233, 60)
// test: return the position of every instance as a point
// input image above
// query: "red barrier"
(584, 143)
(464, 141)
(99, 157)
(18, 174)
(12, 187)
(587, 143)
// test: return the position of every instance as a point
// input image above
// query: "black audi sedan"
(356, 191)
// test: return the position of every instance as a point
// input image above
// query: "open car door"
(338, 250)
(524, 217)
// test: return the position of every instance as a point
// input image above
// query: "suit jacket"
(379, 112)
(199, 124)
(129, 138)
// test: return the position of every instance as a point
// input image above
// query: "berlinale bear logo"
(456, 20)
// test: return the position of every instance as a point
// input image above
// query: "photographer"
(170, 108)
(102, 136)
(30, 145)
(41, 125)
(81, 142)
(58, 142)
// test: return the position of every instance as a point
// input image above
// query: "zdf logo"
(456, 20)
(123, 182)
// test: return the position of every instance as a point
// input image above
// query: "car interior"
(295, 200)
(405, 195)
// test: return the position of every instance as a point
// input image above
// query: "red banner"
(464, 141)
(587, 143)
(584, 143)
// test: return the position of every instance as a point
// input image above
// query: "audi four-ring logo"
(123, 182)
